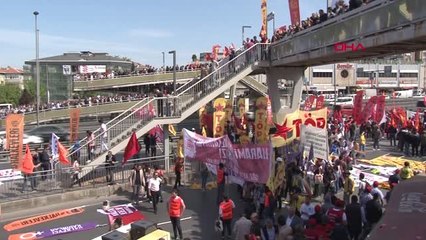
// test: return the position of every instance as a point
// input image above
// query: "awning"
(405, 214)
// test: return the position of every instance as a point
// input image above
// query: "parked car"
(45, 132)
(27, 139)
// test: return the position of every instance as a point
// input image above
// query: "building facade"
(11, 75)
(58, 73)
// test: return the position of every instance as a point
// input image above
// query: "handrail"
(221, 67)
(138, 75)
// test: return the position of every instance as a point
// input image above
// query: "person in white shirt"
(307, 209)
(379, 192)
(154, 190)
(104, 144)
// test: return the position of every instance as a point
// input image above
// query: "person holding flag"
(27, 166)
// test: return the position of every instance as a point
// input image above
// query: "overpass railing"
(61, 179)
(172, 106)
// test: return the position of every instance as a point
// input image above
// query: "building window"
(408, 75)
(322, 74)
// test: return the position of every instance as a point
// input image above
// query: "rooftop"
(11, 70)
(85, 57)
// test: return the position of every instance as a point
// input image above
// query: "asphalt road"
(201, 211)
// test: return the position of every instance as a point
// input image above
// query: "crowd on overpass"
(318, 17)
(139, 71)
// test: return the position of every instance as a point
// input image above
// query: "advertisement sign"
(22, 223)
(66, 69)
(50, 232)
(92, 69)
(316, 137)
(14, 137)
(250, 162)
(290, 127)
(74, 124)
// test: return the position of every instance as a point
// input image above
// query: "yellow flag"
(219, 117)
(172, 130)
(203, 132)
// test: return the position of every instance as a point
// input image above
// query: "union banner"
(289, 128)
(219, 117)
(14, 138)
(261, 126)
(74, 124)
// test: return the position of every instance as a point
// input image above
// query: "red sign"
(348, 47)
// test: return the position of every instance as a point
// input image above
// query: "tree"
(26, 98)
(194, 57)
(9, 93)
(31, 86)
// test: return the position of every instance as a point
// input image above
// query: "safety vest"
(267, 201)
(220, 176)
(227, 210)
(175, 206)
(334, 214)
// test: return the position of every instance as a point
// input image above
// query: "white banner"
(92, 68)
(9, 174)
(317, 137)
(66, 69)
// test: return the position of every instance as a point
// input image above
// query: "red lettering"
(343, 47)
(340, 47)
(297, 123)
(320, 123)
(218, 117)
(259, 125)
(218, 129)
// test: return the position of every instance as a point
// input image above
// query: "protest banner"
(22, 223)
(219, 117)
(127, 212)
(74, 124)
(250, 162)
(288, 129)
(316, 137)
(51, 232)
(14, 138)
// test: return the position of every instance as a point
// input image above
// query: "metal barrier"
(61, 179)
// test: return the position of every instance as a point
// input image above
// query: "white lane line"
(168, 222)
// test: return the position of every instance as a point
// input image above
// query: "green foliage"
(31, 86)
(194, 57)
(26, 98)
(10, 93)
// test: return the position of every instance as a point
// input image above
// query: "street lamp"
(271, 16)
(37, 67)
(242, 32)
(164, 62)
(174, 79)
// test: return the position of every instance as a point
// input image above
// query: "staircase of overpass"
(146, 114)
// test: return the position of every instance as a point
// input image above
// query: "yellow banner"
(201, 113)
(219, 117)
(14, 138)
(242, 114)
(261, 126)
(74, 124)
(228, 110)
(288, 128)
(387, 160)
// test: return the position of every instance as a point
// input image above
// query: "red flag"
(158, 133)
(380, 109)
(132, 148)
(369, 109)
(320, 102)
(356, 113)
(417, 120)
(309, 102)
(337, 113)
(27, 165)
(62, 152)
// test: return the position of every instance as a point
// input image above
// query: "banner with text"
(316, 137)
(261, 125)
(14, 138)
(92, 69)
(74, 124)
(289, 128)
(219, 117)
(250, 162)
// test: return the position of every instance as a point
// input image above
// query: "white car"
(27, 139)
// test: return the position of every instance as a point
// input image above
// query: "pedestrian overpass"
(383, 27)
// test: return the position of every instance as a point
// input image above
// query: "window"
(323, 74)
(408, 75)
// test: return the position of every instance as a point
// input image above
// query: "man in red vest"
(176, 206)
(226, 212)
(220, 182)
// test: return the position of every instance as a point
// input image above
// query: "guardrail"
(61, 179)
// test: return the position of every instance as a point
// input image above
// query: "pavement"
(199, 217)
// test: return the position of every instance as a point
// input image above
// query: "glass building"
(58, 73)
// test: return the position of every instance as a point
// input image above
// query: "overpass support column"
(166, 146)
(273, 77)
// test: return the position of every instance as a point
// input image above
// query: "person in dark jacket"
(354, 219)
(373, 210)
(45, 162)
(153, 144)
(147, 142)
(340, 231)
(354, 4)
(392, 135)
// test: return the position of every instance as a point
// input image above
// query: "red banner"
(369, 109)
(417, 120)
(14, 138)
(264, 11)
(250, 162)
(74, 124)
(357, 112)
(294, 11)
(309, 102)
(320, 102)
(380, 109)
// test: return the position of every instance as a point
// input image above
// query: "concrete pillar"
(166, 145)
(273, 75)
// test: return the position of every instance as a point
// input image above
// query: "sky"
(138, 29)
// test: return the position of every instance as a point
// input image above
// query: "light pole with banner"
(242, 33)
(37, 67)
(271, 16)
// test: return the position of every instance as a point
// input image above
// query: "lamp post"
(242, 33)
(164, 61)
(37, 68)
(271, 16)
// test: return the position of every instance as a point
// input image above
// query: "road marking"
(168, 222)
